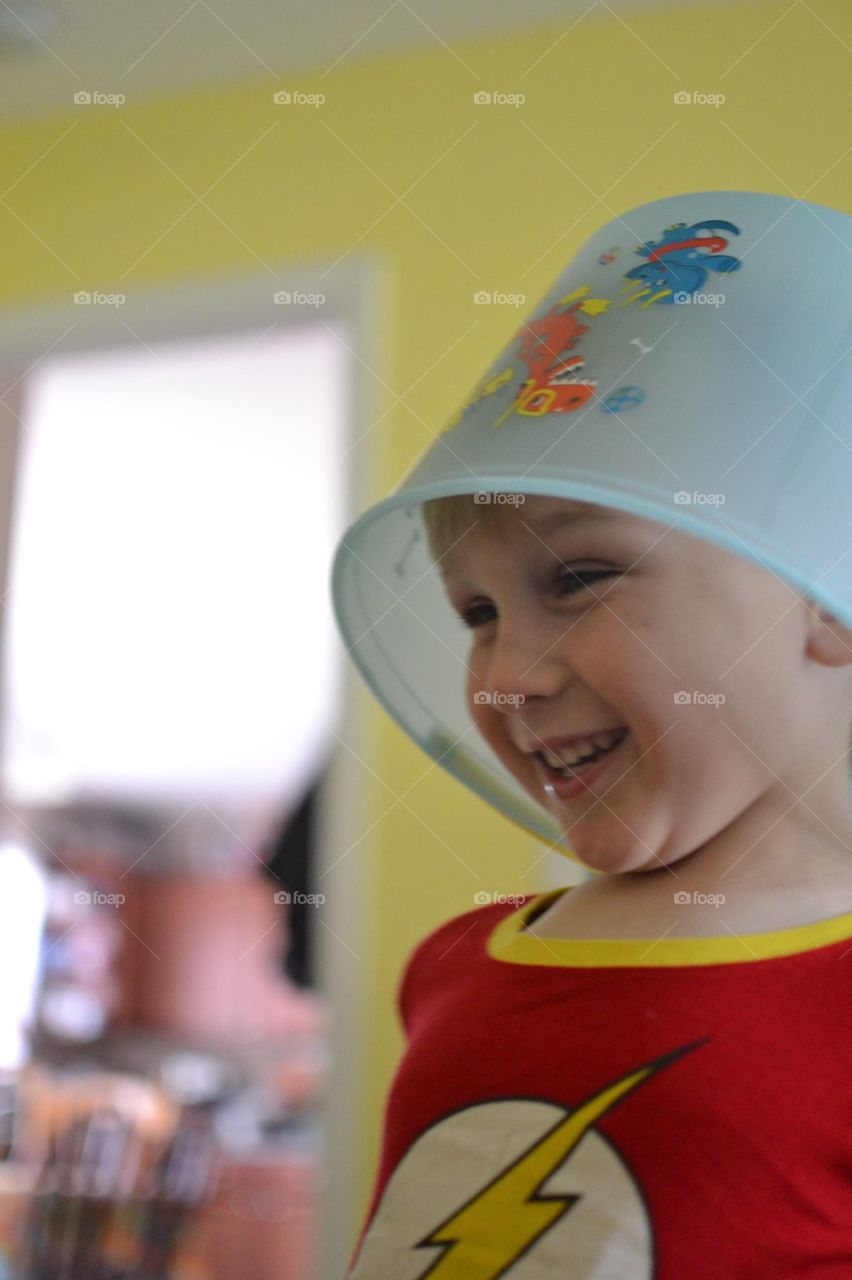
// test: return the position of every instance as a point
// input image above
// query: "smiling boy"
(614, 599)
(596, 620)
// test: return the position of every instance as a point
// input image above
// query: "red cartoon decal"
(557, 381)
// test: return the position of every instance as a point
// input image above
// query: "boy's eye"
(570, 581)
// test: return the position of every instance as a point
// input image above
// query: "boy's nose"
(520, 665)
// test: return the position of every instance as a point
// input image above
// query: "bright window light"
(170, 631)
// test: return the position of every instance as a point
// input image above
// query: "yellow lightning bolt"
(505, 1219)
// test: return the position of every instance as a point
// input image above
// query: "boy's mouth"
(565, 770)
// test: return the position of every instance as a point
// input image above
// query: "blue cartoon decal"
(680, 261)
(623, 398)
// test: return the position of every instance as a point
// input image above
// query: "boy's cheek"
(486, 721)
(491, 728)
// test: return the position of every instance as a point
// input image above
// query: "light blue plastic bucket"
(691, 365)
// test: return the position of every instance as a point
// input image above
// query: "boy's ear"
(829, 640)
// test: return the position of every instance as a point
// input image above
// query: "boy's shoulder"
(435, 958)
(476, 922)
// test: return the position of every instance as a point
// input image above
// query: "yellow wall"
(498, 198)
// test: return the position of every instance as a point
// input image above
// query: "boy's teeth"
(587, 747)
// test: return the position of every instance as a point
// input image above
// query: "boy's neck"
(773, 873)
(775, 844)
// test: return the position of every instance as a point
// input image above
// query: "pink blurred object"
(260, 1224)
(207, 961)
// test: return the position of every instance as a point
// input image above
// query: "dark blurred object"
(122, 1165)
(291, 862)
(202, 1176)
(183, 1183)
(107, 837)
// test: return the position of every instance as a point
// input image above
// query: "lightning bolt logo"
(505, 1219)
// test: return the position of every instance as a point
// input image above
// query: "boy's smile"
(570, 767)
(585, 619)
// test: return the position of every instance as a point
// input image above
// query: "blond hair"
(449, 519)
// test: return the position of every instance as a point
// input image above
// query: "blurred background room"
(254, 257)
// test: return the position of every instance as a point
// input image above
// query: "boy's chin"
(609, 855)
(612, 862)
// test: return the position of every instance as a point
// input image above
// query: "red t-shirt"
(618, 1110)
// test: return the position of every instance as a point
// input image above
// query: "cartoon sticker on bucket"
(680, 261)
(677, 266)
(557, 381)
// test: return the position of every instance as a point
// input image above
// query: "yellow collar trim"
(510, 943)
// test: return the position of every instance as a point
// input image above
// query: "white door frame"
(231, 304)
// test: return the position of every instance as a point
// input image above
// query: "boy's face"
(673, 616)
